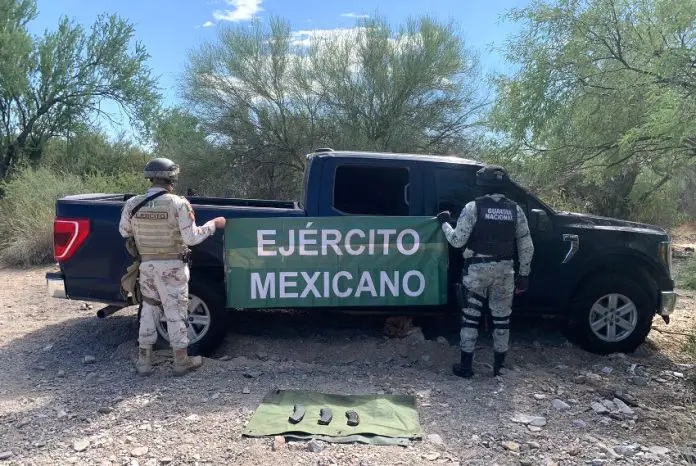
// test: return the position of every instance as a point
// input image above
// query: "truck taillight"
(68, 236)
(665, 254)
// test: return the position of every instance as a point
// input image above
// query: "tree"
(606, 88)
(65, 78)
(268, 98)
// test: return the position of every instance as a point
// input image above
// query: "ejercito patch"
(152, 215)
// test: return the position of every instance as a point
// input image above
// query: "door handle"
(407, 201)
(574, 246)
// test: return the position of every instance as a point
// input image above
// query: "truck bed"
(93, 273)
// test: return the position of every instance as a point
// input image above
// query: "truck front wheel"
(206, 321)
(614, 315)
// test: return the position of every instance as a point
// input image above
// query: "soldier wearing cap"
(163, 227)
(490, 227)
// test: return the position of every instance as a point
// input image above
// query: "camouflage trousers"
(166, 282)
(495, 281)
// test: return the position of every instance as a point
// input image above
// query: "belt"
(185, 257)
(486, 259)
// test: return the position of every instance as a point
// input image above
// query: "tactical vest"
(495, 230)
(156, 230)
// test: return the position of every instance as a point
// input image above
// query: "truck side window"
(455, 189)
(371, 190)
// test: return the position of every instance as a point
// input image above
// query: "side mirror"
(539, 220)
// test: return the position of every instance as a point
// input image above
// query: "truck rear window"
(370, 190)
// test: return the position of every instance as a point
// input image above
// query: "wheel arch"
(630, 266)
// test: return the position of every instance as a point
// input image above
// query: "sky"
(169, 29)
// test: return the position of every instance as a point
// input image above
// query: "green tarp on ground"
(384, 419)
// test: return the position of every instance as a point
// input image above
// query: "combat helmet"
(161, 169)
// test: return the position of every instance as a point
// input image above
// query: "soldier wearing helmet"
(163, 225)
(490, 227)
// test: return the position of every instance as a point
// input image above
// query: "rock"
(580, 379)
(598, 462)
(151, 462)
(537, 421)
(315, 446)
(215, 396)
(105, 410)
(252, 374)
(639, 381)
(626, 397)
(432, 456)
(442, 340)
(61, 414)
(90, 376)
(89, 359)
(435, 439)
(262, 356)
(415, 337)
(6, 455)
(608, 370)
(533, 445)
(246, 390)
(579, 423)
(609, 405)
(139, 451)
(193, 418)
(511, 446)
(655, 450)
(623, 407)
(593, 378)
(526, 462)
(626, 450)
(599, 408)
(678, 375)
(534, 428)
(166, 460)
(539, 396)
(278, 443)
(61, 373)
(689, 454)
(560, 405)
(81, 445)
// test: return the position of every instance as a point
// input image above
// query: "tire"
(207, 320)
(621, 311)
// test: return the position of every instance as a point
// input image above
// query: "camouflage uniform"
(163, 277)
(494, 280)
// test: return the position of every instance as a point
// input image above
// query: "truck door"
(362, 186)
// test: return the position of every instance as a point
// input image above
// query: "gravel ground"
(69, 395)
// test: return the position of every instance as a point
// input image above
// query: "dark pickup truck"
(608, 277)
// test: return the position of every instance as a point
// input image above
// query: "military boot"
(143, 366)
(498, 360)
(465, 367)
(183, 363)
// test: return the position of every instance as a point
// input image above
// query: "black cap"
(491, 175)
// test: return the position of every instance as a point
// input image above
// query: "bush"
(686, 278)
(27, 209)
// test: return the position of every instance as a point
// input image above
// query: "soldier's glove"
(444, 217)
(521, 284)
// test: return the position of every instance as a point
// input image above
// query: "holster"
(460, 293)
(130, 281)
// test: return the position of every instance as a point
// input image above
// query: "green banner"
(335, 262)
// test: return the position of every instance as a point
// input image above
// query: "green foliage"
(27, 209)
(90, 152)
(63, 80)
(604, 103)
(687, 276)
(267, 97)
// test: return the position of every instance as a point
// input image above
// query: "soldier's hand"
(220, 222)
(444, 217)
(521, 284)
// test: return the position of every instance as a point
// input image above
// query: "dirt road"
(69, 395)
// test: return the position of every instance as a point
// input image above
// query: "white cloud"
(354, 15)
(208, 24)
(304, 38)
(243, 10)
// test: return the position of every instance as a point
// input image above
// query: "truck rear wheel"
(614, 316)
(206, 321)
